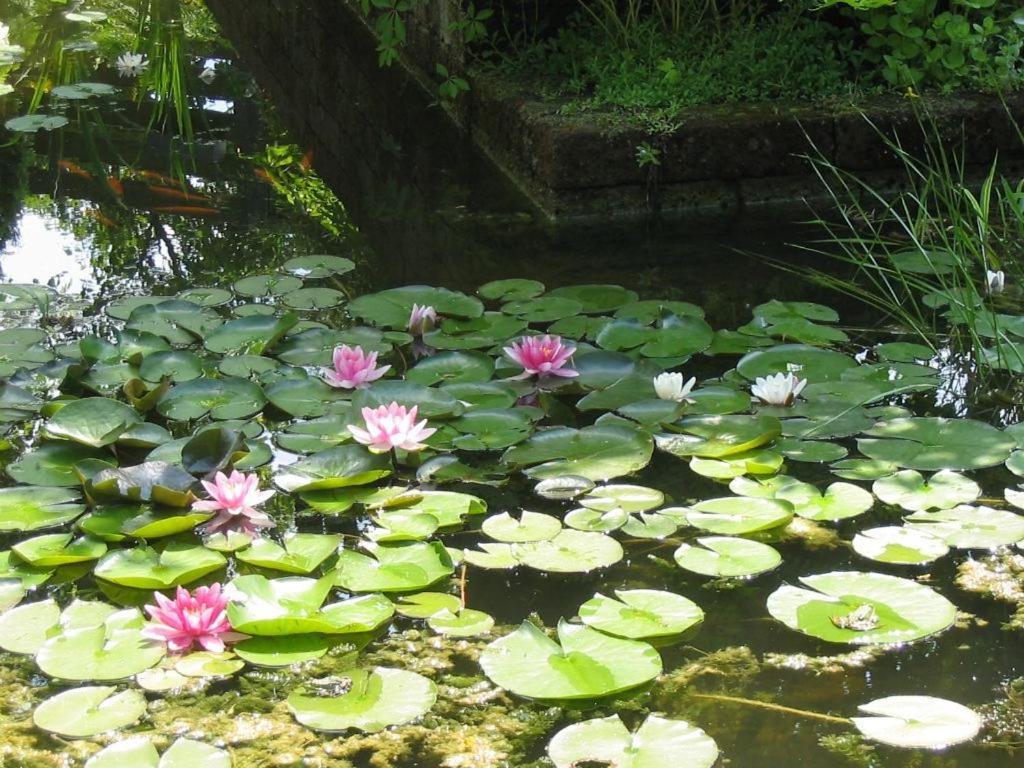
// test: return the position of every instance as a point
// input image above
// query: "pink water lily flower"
(354, 368)
(542, 356)
(391, 426)
(189, 619)
(233, 499)
(422, 319)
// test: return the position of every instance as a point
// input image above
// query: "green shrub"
(942, 43)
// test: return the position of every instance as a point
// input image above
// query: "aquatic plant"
(190, 619)
(354, 368)
(391, 426)
(234, 499)
(542, 356)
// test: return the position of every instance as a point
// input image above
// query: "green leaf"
(908, 489)
(641, 613)
(31, 508)
(967, 527)
(365, 700)
(53, 464)
(82, 712)
(302, 552)
(404, 567)
(339, 467)
(92, 421)
(226, 398)
(937, 443)
(583, 664)
(738, 515)
(658, 743)
(918, 722)
(899, 545)
(891, 610)
(727, 556)
(176, 564)
(596, 453)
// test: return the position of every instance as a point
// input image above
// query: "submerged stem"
(774, 707)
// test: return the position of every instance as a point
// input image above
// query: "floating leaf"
(82, 712)
(226, 398)
(365, 700)
(113, 650)
(53, 464)
(838, 502)
(895, 610)
(393, 567)
(531, 526)
(641, 613)
(657, 743)
(909, 489)
(937, 443)
(727, 556)
(583, 664)
(596, 453)
(92, 421)
(918, 722)
(283, 650)
(737, 515)
(31, 508)
(967, 527)
(145, 568)
(340, 467)
(301, 553)
(900, 545)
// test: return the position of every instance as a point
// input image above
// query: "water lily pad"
(738, 515)
(641, 613)
(901, 545)
(29, 508)
(364, 700)
(597, 453)
(143, 567)
(728, 556)
(423, 605)
(596, 298)
(807, 362)
(266, 285)
(511, 289)
(392, 308)
(570, 552)
(969, 527)
(55, 549)
(293, 605)
(137, 752)
(908, 489)
(339, 467)
(452, 366)
(113, 650)
(650, 525)
(318, 266)
(282, 650)
(935, 443)
(35, 122)
(864, 469)
(543, 309)
(224, 398)
(404, 567)
(92, 421)
(583, 664)
(918, 722)
(862, 608)
(657, 743)
(530, 526)
(251, 335)
(302, 552)
(717, 437)
(82, 712)
(464, 622)
(583, 519)
(157, 481)
(630, 498)
(53, 464)
(838, 502)
(313, 298)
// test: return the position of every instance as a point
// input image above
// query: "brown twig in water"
(774, 707)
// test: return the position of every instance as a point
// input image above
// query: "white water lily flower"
(131, 64)
(208, 75)
(5, 34)
(996, 281)
(670, 386)
(780, 389)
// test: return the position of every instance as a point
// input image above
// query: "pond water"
(132, 245)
